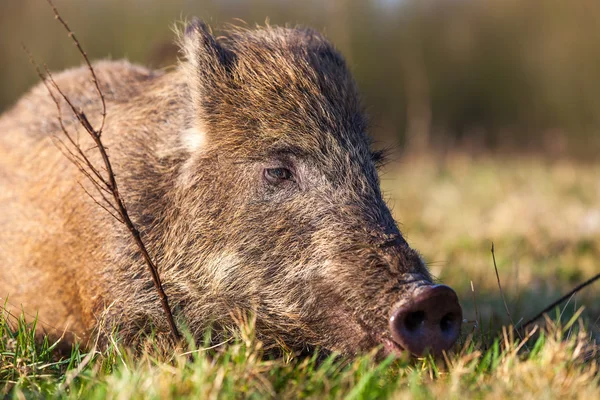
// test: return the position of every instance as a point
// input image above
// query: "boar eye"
(276, 175)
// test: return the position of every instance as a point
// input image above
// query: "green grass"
(541, 217)
(559, 362)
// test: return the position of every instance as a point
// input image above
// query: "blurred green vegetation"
(503, 75)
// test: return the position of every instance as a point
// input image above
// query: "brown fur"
(319, 260)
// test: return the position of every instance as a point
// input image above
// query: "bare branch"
(78, 160)
(87, 62)
(80, 164)
(74, 109)
(72, 156)
(115, 216)
(105, 184)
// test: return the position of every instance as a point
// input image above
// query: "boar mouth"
(391, 347)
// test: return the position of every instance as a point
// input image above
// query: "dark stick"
(563, 298)
(100, 182)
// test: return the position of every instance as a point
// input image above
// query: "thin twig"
(106, 182)
(501, 291)
(100, 204)
(76, 160)
(187, 353)
(563, 298)
(86, 59)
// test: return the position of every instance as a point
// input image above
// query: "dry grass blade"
(477, 317)
(45, 325)
(501, 291)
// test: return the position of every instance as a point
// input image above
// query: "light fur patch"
(193, 139)
(223, 270)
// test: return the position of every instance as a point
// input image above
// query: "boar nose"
(429, 322)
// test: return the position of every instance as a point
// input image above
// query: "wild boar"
(249, 172)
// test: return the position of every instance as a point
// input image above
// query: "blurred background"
(506, 75)
(493, 107)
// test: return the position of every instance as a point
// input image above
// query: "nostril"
(447, 323)
(414, 320)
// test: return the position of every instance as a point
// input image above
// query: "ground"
(543, 218)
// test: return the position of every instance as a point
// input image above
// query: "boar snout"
(428, 322)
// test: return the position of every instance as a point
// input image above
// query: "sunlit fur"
(318, 259)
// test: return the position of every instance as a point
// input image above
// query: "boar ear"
(207, 67)
(202, 49)
(209, 64)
